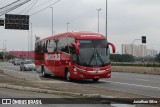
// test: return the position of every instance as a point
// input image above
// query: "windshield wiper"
(91, 57)
(100, 57)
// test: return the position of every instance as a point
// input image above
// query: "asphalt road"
(143, 84)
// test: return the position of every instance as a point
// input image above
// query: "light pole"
(133, 47)
(52, 19)
(5, 49)
(31, 37)
(98, 18)
(67, 25)
(28, 44)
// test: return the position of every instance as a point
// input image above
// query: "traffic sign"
(20, 22)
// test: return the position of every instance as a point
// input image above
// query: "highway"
(142, 84)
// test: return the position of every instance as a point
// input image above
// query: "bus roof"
(77, 35)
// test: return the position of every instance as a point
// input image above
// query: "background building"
(151, 52)
(22, 54)
(135, 50)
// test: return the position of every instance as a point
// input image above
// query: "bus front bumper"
(77, 74)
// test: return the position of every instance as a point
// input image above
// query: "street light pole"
(98, 18)
(5, 49)
(52, 19)
(133, 47)
(28, 44)
(31, 38)
(67, 26)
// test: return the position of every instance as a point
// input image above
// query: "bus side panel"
(50, 64)
(62, 64)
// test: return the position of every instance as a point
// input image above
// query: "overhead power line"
(31, 7)
(43, 4)
(45, 8)
(36, 6)
(26, 7)
(12, 6)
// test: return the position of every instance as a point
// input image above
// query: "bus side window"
(50, 46)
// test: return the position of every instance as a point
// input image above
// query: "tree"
(1, 55)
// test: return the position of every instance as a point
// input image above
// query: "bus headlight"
(108, 69)
(75, 69)
(82, 70)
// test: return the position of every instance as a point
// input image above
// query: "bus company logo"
(55, 57)
(90, 35)
(6, 101)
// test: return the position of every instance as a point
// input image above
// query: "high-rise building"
(135, 50)
(151, 52)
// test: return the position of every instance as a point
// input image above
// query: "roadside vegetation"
(137, 64)
(129, 60)
(5, 56)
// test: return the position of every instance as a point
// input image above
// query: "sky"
(127, 20)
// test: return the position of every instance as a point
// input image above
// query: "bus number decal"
(52, 57)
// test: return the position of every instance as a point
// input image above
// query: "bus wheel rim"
(43, 73)
(68, 76)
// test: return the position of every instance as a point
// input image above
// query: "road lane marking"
(134, 85)
(142, 80)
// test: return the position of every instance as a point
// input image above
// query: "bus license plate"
(96, 77)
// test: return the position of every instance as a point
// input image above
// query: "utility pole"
(28, 44)
(98, 18)
(52, 19)
(31, 38)
(106, 18)
(67, 25)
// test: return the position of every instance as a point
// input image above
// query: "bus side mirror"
(76, 47)
(113, 47)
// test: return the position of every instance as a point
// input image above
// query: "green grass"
(136, 64)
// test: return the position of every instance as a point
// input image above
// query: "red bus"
(74, 55)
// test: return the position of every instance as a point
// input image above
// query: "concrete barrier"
(20, 75)
(133, 69)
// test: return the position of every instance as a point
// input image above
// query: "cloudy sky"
(127, 20)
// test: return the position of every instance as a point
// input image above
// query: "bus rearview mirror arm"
(113, 47)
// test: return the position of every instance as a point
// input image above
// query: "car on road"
(27, 65)
(17, 61)
(10, 61)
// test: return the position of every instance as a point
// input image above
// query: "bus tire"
(67, 75)
(96, 79)
(43, 72)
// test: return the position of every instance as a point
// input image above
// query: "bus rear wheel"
(96, 79)
(43, 72)
(67, 75)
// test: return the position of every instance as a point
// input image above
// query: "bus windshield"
(93, 53)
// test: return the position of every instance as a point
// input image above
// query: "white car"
(27, 65)
(18, 61)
